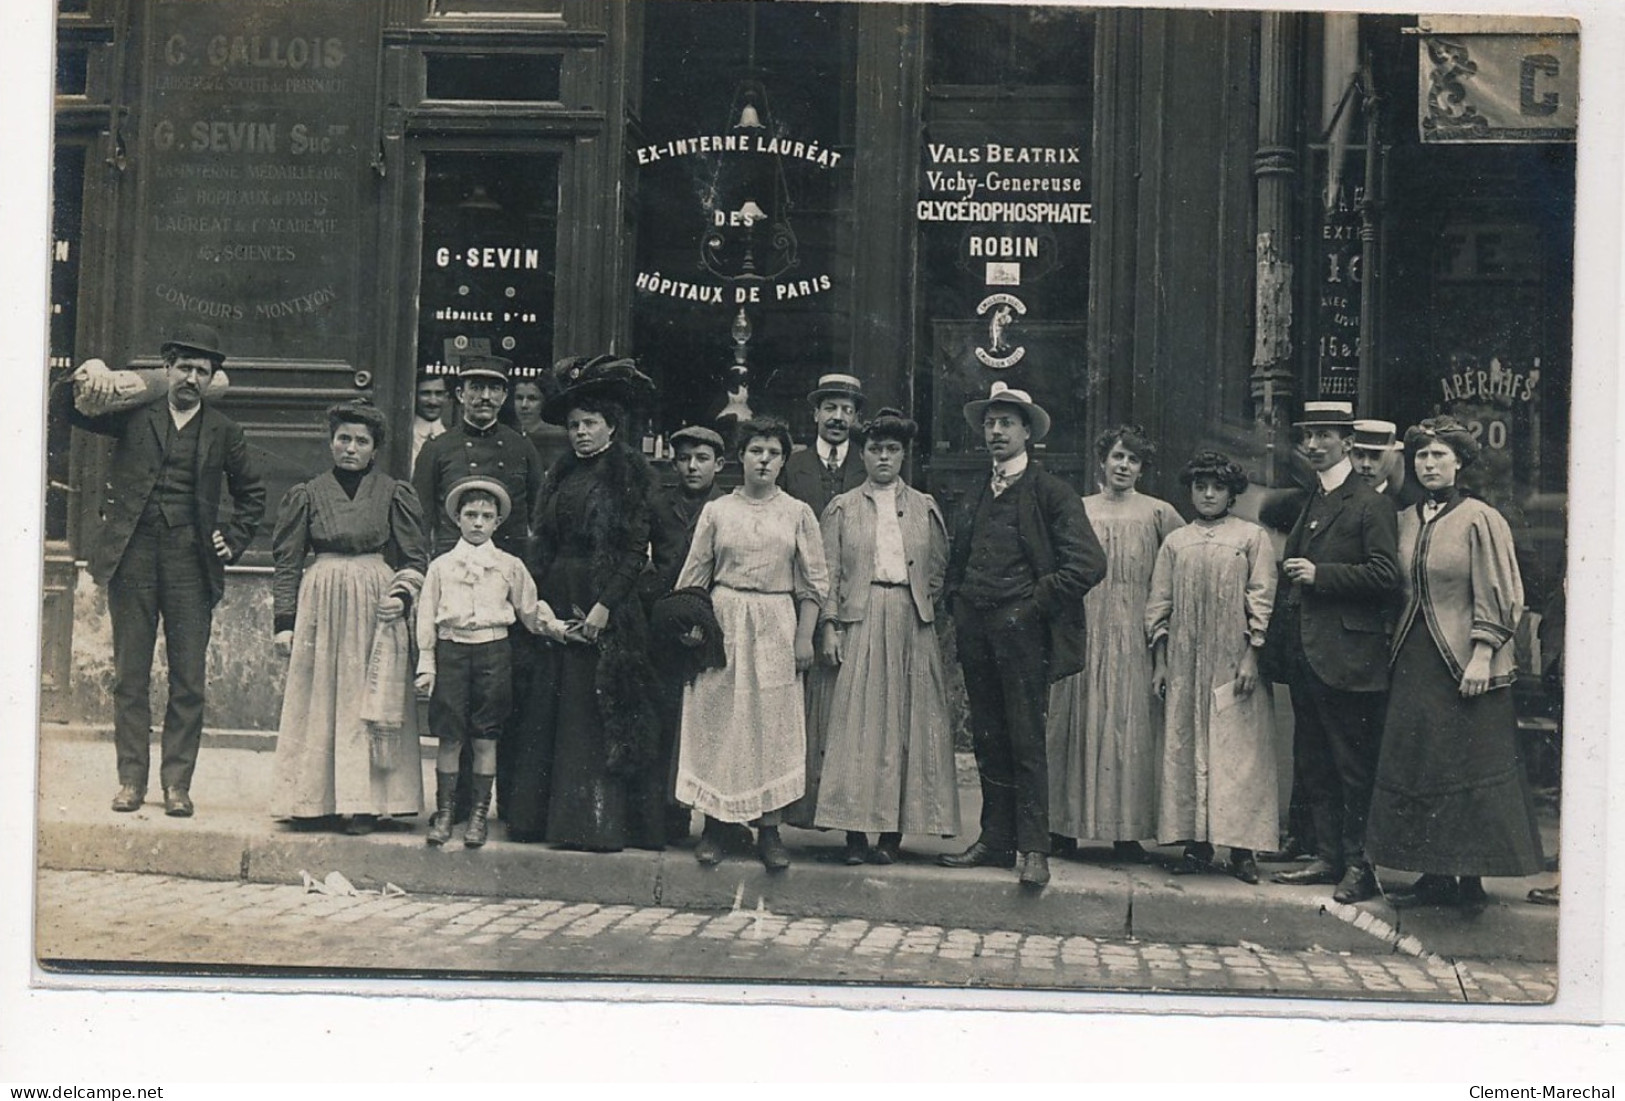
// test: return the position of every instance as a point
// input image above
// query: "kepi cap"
(492, 367)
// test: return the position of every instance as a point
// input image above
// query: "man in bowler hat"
(161, 553)
(1022, 558)
(1340, 573)
(831, 466)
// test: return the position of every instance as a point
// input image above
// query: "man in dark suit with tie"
(1022, 557)
(161, 552)
(831, 465)
(1340, 573)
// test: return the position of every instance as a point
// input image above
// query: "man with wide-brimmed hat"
(831, 465)
(1339, 574)
(479, 445)
(161, 551)
(1022, 558)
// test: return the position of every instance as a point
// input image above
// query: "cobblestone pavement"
(198, 925)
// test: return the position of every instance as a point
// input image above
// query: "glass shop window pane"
(72, 70)
(490, 234)
(510, 77)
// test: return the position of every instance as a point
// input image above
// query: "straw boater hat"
(461, 487)
(1326, 414)
(193, 336)
(492, 367)
(1377, 436)
(837, 386)
(1001, 394)
(607, 377)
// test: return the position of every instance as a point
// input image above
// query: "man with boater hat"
(1378, 456)
(1022, 557)
(161, 551)
(1339, 573)
(831, 465)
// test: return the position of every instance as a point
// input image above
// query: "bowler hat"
(493, 367)
(194, 336)
(1001, 394)
(1326, 414)
(606, 377)
(1377, 436)
(462, 486)
(837, 386)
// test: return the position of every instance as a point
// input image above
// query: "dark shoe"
(1034, 870)
(1359, 883)
(478, 813)
(1289, 851)
(1428, 890)
(177, 803)
(857, 848)
(1063, 847)
(445, 801)
(359, 825)
(1196, 860)
(1317, 873)
(887, 850)
(1541, 896)
(1471, 891)
(979, 855)
(775, 857)
(1128, 852)
(1243, 866)
(709, 850)
(129, 798)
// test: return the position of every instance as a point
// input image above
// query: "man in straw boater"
(1378, 456)
(817, 475)
(1339, 575)
(161, 551)
(1023, 556)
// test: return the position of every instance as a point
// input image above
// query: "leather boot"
(445, 799)
(478, 811)
(775, 857)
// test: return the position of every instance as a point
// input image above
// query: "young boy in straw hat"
(471, 594)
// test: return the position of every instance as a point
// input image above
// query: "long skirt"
(819, 686)
(742, 745)
(889, 756)
(323, 763)
(560, 786)
(1451, 795)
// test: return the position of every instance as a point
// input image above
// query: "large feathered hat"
(607, 377)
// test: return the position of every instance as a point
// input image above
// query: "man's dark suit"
(807, 478)
(1331, 641)
(1012, 651)
(155, 568)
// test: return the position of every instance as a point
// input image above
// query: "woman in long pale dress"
(742, 746)
(1451, 797)
(889, 749)
(367, 533)
(1105, 725)
(1212, 592)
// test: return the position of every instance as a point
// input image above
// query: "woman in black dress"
(585, 773)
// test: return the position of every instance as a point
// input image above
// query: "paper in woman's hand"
(1224, 697)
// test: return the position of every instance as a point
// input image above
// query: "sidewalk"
(232, 839)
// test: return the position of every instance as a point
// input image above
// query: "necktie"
(1000, 483)
(831, 462)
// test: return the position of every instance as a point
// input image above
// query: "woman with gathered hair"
(1451, 798)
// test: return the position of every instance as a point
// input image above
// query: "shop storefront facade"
(1133, 214)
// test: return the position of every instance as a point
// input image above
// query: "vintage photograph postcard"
(968, 497)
